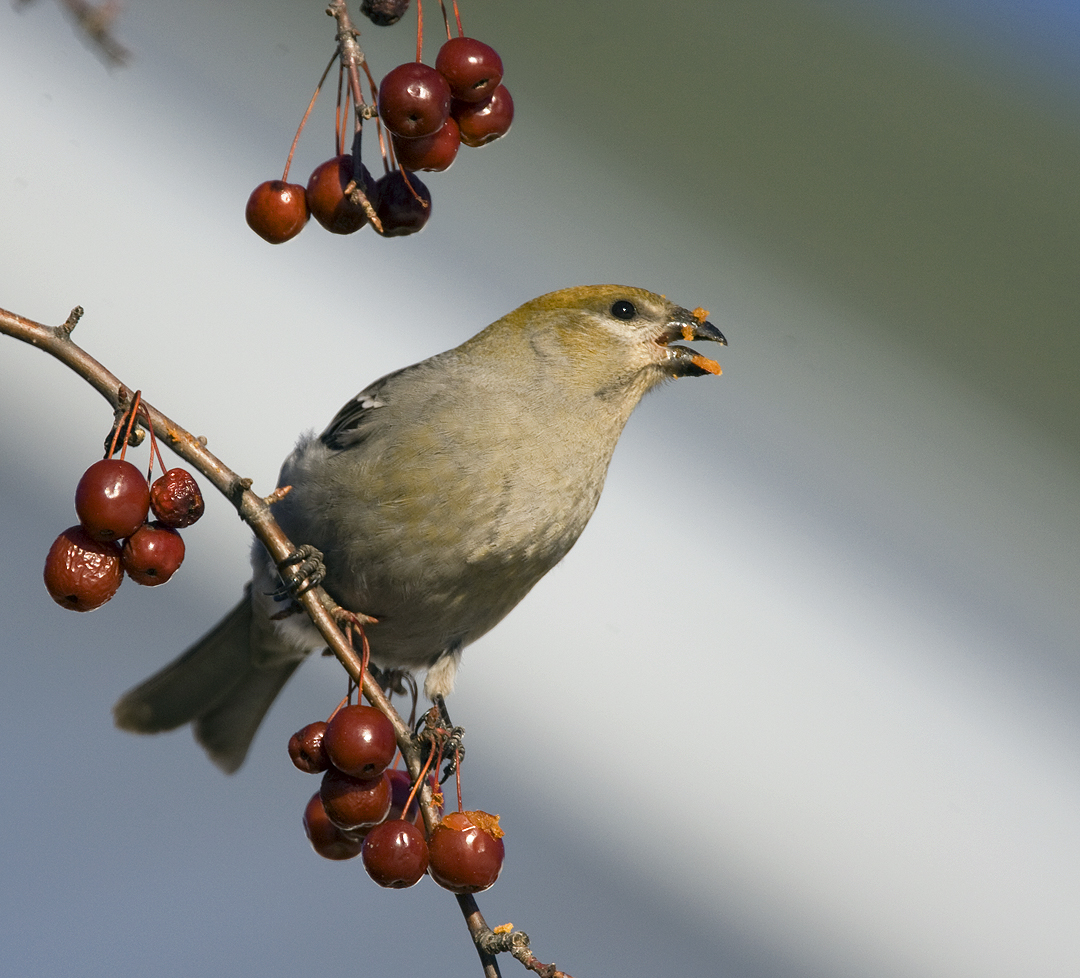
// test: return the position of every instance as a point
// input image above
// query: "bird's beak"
(689, 326)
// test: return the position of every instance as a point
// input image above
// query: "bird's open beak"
(690, 326)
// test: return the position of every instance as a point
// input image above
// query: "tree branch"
(255, 511)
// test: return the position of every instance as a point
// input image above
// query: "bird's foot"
(397, 681)
(346, 618)
(439, 736)
(302, 570)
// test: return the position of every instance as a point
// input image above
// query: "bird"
(437, 496)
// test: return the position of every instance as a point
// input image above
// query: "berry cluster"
(365, 808)
(429, 112)
(113, 501)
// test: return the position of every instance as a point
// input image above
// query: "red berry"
(175, 499)
(466, 851)
(277, 211)
(399, 210)
(434, 153)
(414, 100)
(472, 69)
(481, 122)
(112, 499)
(82, 573)
(306, 748)
(354, 804)
(326, 195)
(360, 741)
(152, 554)
(325, 837)
(395, 854)
(384, 12)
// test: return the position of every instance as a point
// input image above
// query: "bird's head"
(609, 341)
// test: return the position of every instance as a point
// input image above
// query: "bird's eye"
(623, 310)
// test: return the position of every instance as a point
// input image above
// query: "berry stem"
(339, 115)
(412, 190)
(127, 420)
(419, 30)
(344, 703)
(457, 17)
(303, 121)
(154, 449)
(419, 781)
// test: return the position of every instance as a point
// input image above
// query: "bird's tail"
(221, 685)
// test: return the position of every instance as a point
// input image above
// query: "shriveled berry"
(354, 804)
(152, 554)
(360, 741)
(434, 153)
(399, 209)
(326, 195)
(414, 100)
(112, 499)
(176, 500)
(82, 573)
(472, 69)
(466, 851)
(325, 837)
(384, 12)
(395, 854)
(306, 748)
(277, 211)
(482, 122)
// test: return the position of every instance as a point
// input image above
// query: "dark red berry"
(152, 554)
(481, 122)
(325, 837)
(395, 854)
(466, 851)
(175, 499)
(384, 12)
(306, 748)
(354, 804)
(82, 573)
(326, 195)
(472, 69)
(277, 211)
(112, 499)
(360, 741)
(414, 100)
(434, 153)
(399, 209)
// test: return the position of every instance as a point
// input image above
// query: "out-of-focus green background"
(803, 699)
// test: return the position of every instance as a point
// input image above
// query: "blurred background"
(804, 699)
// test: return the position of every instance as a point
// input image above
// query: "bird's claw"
(301, 571)
(437, 732)
(344, 617)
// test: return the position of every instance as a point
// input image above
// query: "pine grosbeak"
(438, 496)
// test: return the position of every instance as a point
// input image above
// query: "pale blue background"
(802, 702)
